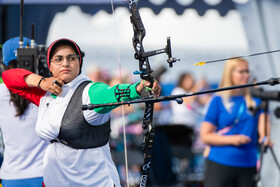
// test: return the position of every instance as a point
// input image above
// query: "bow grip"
(146, 92)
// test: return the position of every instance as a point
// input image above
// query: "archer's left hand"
(156, 88)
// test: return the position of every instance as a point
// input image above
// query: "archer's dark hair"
(19, 102)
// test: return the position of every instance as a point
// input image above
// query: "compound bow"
(145, 73)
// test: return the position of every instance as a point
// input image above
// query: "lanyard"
(240, 111)
(228, 128)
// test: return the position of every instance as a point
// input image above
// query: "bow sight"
(166, 50)
(140, 54)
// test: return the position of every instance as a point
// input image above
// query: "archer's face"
(241, 74)
(65, 63)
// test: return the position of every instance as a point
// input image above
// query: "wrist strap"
(38, 85)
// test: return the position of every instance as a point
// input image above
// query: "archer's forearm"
(32, 80)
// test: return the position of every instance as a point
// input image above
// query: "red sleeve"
(14, 80)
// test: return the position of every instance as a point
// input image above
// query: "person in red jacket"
(23, 148)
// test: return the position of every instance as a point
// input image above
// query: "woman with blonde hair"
(233, 131)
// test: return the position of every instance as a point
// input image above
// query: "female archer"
(79, 153)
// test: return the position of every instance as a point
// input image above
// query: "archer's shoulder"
(215, 98)
(257, 100)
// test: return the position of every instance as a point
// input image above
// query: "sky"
(106, 38)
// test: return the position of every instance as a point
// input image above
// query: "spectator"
(231, 130)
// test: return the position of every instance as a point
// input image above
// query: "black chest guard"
(75, 132)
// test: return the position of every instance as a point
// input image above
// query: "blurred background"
(200, 30)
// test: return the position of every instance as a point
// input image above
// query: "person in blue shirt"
(233, 130)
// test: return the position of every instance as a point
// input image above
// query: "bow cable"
(122, 107)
